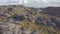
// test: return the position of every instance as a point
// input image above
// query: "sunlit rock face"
(18, 19)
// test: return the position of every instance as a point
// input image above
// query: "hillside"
(18, 19)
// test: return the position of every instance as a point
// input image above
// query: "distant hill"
(52, 10)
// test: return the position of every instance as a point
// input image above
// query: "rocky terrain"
(18, 19)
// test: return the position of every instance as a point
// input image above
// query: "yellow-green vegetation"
(3, 19)
(31, 25)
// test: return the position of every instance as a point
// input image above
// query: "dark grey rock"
(10, 9)
(33, 32)
(56, 22)
(1, 30)
(22, 33)
(18, 17)
(39, 21)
